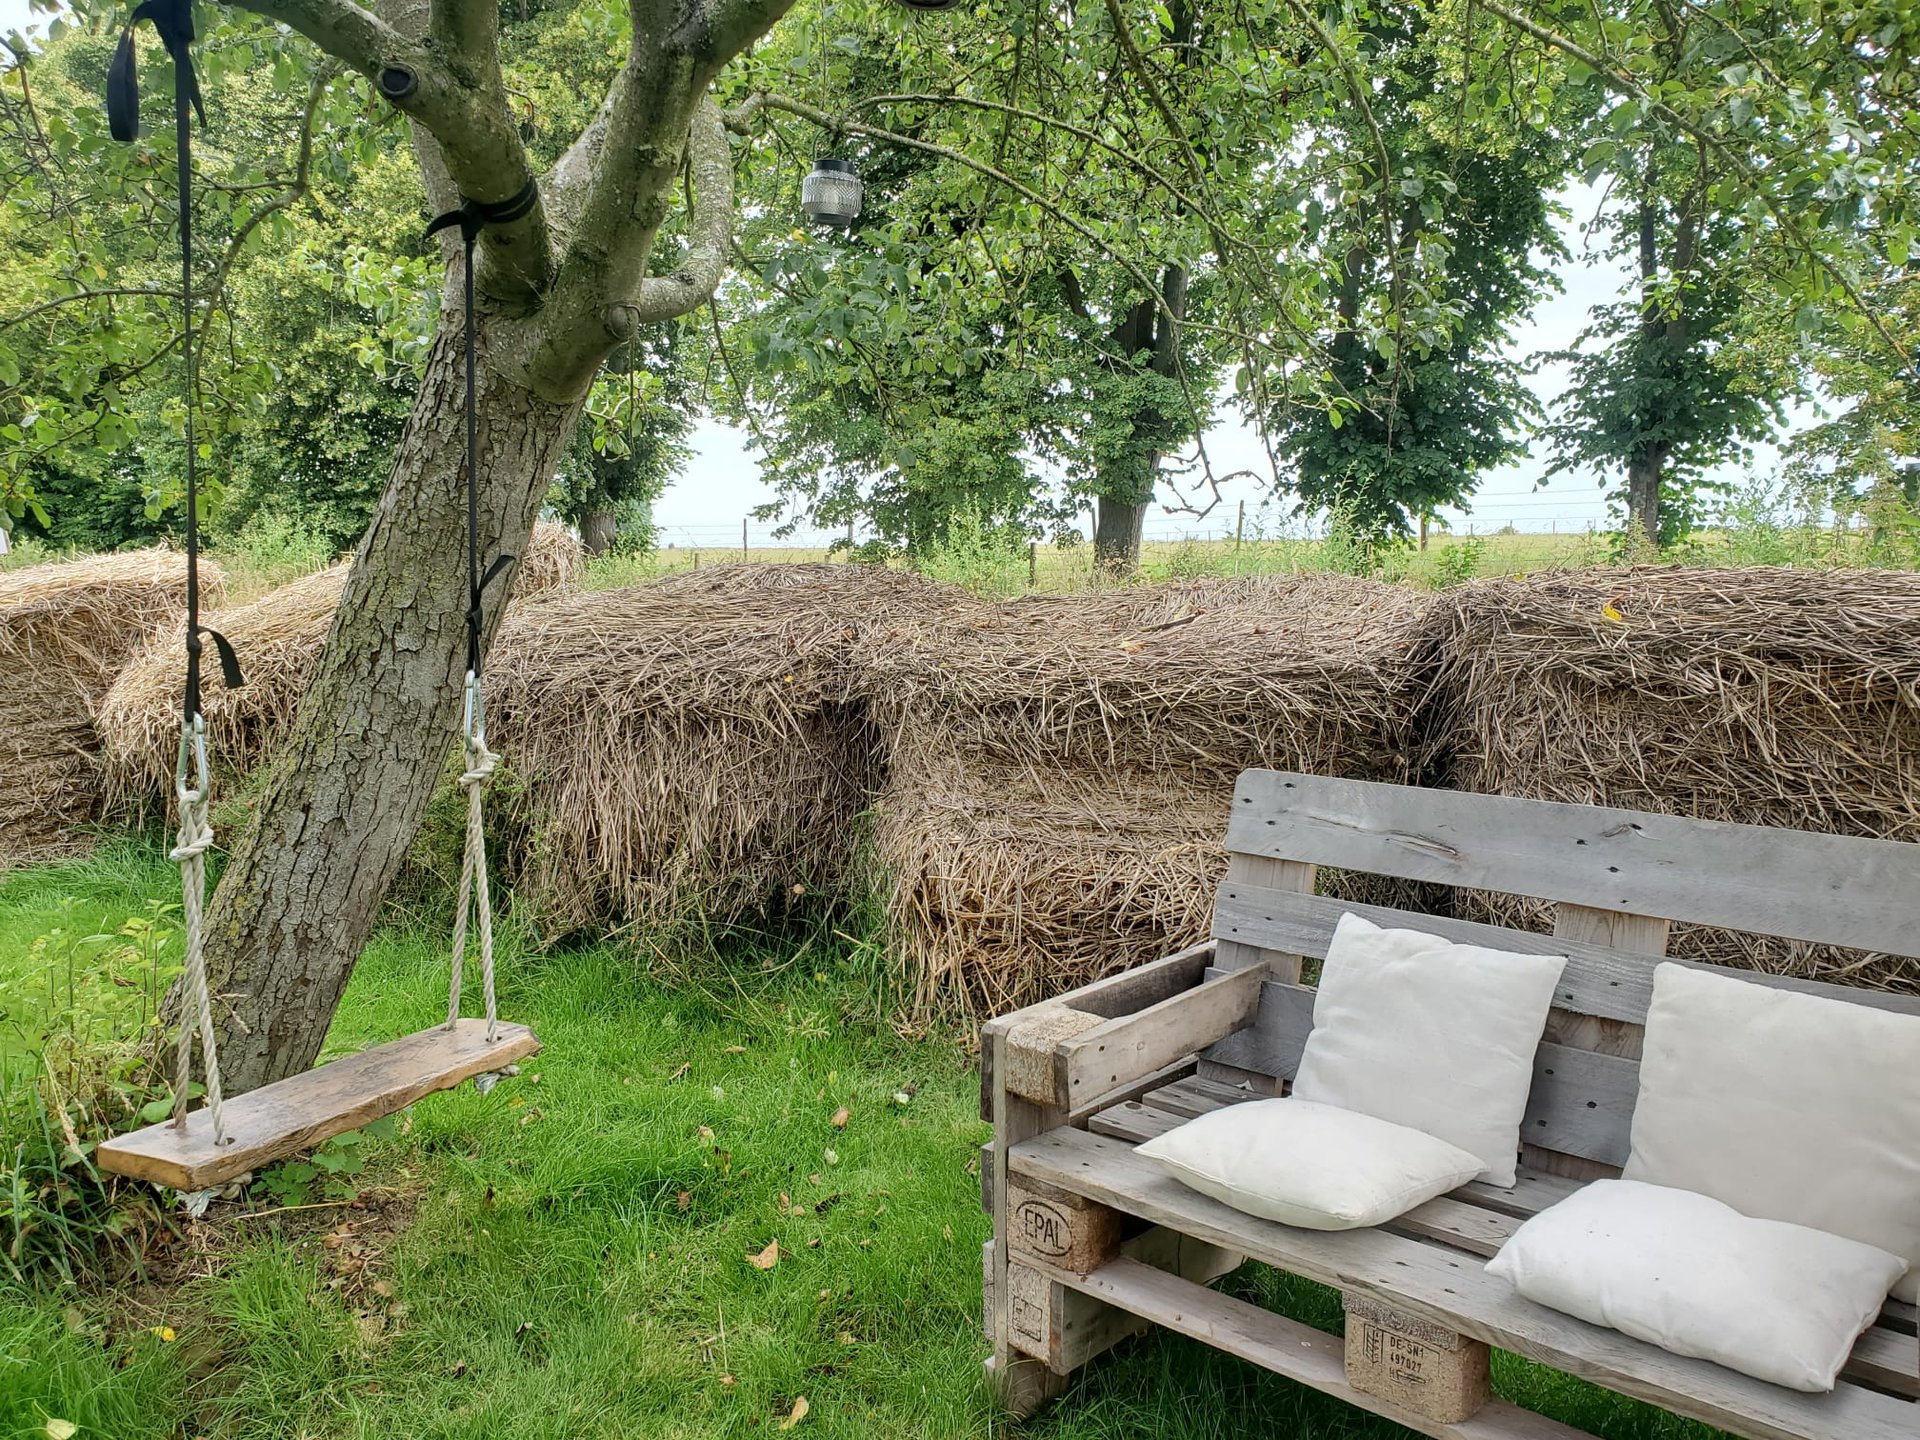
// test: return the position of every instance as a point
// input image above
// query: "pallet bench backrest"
(1618, 877)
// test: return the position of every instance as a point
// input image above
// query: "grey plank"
(1581, 1103)
(1112, 1055)
(1611, 983)
(1454, 1290)
(1286, 1347)
(1830, 889)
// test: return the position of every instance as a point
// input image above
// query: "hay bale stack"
(553, 565)
(1061, 767)
(1768, 696)
(690, 748)
(279, 638)
(65, 630)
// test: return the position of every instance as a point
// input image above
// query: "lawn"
(665, 1227)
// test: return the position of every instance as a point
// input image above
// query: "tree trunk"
(1644, 469)
(1117, 527)
(597, 530)
(372, 741)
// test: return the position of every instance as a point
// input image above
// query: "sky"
(722, 484)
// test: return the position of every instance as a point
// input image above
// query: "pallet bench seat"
(1094, 1243)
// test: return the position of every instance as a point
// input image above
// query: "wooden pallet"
(299, 1112)
(1083, 1225)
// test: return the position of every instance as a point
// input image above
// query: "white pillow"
(1684, 1272)
(1787, 1106)
(1423, 1032)
(1310, 1165)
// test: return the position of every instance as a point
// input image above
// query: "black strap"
(472, 217)
(173, 20)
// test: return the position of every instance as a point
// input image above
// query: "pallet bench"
(1093, 1243)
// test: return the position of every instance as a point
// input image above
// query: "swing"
(199, 1152)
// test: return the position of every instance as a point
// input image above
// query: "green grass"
(568, 1255)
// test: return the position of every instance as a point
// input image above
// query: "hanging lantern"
(830, 195)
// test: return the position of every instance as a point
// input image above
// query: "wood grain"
(299, 1112)
(1829, 889)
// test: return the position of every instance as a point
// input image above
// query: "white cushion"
(1787, 1106)
(1310, 1165)
(1414, 1029)
(1779, 1302)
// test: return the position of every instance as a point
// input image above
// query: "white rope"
(474, 896)
(195, 839)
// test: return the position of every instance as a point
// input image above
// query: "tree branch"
(710, 164)
(467, 114)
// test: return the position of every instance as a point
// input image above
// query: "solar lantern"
(830, 195)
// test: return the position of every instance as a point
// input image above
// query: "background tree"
(1425, 413)
(1663, 388)
(631, 442)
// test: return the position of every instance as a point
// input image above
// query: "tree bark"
(342, 805)
(597, 530)
(1645, 468)
(1118, 525)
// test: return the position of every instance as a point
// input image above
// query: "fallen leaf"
(61, 1429)
(706, 1132)
(767, 1258)
(736, 1050)
(840, 1118)
(797, 1210)
(1611, 613)
(797, 1414)
(727, 1380)
(680, 1072)
(832, 1157)
(785, 1200)
(685, 1199)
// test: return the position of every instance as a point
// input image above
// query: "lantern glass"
(830, 195)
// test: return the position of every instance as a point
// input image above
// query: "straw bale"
(678, 752)
(1005, 884)
(1060, 768)
(1767, 696)
(869, 594)
(65, 630)
(279, 639)
(1199, 679)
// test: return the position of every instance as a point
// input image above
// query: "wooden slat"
(1113, 995)
(1830, 889)
(1455, 1290)
(299, 1112)
(1468, 1221)
(1023, 1382)
(1286, 1347)
(1109, 1056)
(1599, 980)
(1269, 874)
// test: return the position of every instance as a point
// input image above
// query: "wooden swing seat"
(301, 1111)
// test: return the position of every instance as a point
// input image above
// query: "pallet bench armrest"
(1034, 1028)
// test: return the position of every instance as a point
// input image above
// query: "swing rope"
(474, 900)
(173, 21)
